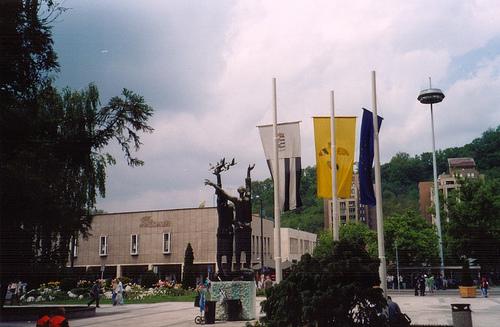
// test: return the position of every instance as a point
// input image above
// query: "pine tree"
(188, 277)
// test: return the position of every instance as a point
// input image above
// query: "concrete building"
(349, 209)
(458, 168)
(130, 243)
(295, 243)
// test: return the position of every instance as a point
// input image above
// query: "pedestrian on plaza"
(58, 319)
(416, 284)
(268, 283)
(396, 317)
(114, 286)
(390, 281)
(119, 293)
(484, 286)
(95, 293)
(43, 320)
(421, 284)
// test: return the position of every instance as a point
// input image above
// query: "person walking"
(113, 291)
(484, 286)
(396, 317)
(94, 293)
(421, 284)
(119, 293)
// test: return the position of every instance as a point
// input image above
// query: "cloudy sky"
(206, 67)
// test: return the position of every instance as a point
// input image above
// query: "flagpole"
(378, 191)
(333, 160)
(277, 223)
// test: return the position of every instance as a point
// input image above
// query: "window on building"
(103, 246)
(294, 245)
(166, 242)
(134, 244)
(73, 244)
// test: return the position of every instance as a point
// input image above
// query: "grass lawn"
(149, 299)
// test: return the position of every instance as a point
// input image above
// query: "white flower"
(51, 298)
(80, 297)
(128, 288)
(39, 298)
(108, 295)
(30, 299)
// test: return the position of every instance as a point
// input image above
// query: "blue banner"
(367, 196)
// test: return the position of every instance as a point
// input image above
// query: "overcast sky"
(206, 67)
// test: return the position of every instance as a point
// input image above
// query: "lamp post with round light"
(431, 96)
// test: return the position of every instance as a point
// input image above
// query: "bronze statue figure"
(243, 220)
(225, 231)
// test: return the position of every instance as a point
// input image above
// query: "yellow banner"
(345, 130)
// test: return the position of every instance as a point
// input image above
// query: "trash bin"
(233, 309)
(461, 315)
(210, 312)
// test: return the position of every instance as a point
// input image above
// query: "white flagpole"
(277, 223)
(378, 191)
(333, 160)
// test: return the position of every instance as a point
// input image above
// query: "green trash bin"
(210, 312)
(461, 315)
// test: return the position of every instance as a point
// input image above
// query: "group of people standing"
(424, 283)
(116, 288)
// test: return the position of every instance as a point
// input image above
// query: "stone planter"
(467, 291)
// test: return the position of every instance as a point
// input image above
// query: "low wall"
(242, 290)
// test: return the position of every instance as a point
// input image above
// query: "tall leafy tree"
(473, 226)
(416, 239)
(53, 163)
(360, 233)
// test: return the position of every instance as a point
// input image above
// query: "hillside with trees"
(400, 178)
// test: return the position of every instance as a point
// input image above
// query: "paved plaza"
(432, 309)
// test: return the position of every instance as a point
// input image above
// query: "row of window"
(134, 244)
(256, 245)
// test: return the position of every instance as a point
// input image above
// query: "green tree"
(360, 233)
(417, 240)
(53, 163)
(188, 277)
(341, 280)
(474, 222)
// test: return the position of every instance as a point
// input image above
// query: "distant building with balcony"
(458, 169)
(350, 209)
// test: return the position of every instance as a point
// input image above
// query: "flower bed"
(51, 292)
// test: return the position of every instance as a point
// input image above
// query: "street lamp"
(261, 234)
(431, 96)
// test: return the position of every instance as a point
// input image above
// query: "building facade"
(130, 243)
(350, 209)
(296, 243)
(458, 169)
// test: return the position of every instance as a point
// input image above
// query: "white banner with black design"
(288, 159)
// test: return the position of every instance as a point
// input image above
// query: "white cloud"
(211, 81)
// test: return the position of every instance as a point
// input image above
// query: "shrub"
(466, 279)
(80, 291)
(125, 280)
(148, 279)
(341, 279)
(68, 284)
